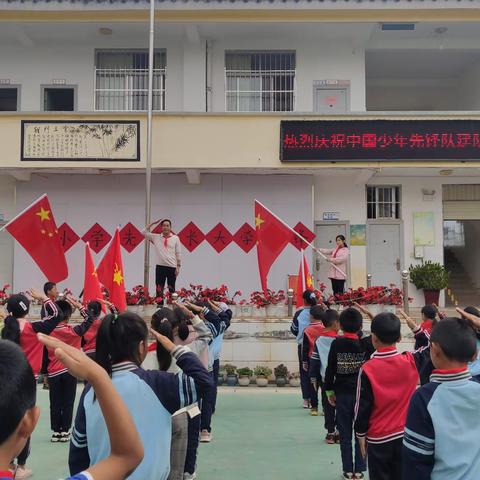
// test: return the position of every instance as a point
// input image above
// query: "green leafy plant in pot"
(244, 376)
(261, 375)
(431, 277)
(231, 374)
(281, 374)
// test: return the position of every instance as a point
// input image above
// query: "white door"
(384, 254)
(325, 238)
(330, 100)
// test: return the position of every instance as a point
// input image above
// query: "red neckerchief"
(386, 349)
(6, 474)
(336, 251)
(330, 333)
(448, 371)
(165, 240)
(351, 336)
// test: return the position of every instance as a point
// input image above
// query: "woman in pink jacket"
(338, 257)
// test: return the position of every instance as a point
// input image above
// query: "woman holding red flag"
(338, 257)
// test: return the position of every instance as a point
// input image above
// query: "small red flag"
(36, 231)
(272, 237)
(92, 290)
(304, 281)
(110, 273)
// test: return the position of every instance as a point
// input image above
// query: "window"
(58, 99)
(260, 81)
(383, 202)
(121, 80)
(8, 99)
(453, 234)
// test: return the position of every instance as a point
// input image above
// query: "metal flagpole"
(148, 166)
(313, 247)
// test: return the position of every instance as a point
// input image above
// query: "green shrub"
(429, 276)
(245, 372)
(230, 369)
(281, 371)
(260, 371)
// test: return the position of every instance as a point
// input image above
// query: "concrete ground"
(258, 434)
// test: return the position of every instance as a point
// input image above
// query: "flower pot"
(281, 381)
(245, 311)
(221, 379)
(374, 308)
(294, 382)
(431, 296)
(231, 380)
(389, 308)
(244, 381)
(261, 381)
(134, 309)
(259, 312)
(149, 310)
(276, 311)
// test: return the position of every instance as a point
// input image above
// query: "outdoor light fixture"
(105, 31)
(445, 172)
(428, 194)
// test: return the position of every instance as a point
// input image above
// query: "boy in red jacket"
(386, 384)
(63, 386)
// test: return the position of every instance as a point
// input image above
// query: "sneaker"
(314, 412)
(205, 436)
(337, 437)
(347, 475)
(330, 439)
(56, 437)
(306, 404)
(23, 472)
(189, 476)
(358, 476)
(64, 437)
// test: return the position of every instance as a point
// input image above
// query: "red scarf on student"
(336, 251)
(165, 240)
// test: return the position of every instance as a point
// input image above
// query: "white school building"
(360, 118)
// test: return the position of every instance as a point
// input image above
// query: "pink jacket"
(340, 261)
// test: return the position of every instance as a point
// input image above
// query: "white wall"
(114, 200)
(7, 209)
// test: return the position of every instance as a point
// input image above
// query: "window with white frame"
(259, 81)
(121, 80)
(383, 202)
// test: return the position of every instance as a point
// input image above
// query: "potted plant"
(221, 376)
(431, 277)
(261, 375)
(244, 376)
(294, 379)
(231, 375)
(281, 373)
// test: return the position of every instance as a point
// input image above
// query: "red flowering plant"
(382, 295)
(139, 296)
(199, 293)
(269, 297)
(4, 295)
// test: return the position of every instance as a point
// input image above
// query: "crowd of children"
(370, 393)
(180, 387)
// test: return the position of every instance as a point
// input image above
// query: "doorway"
(384, 252)
(325, 238)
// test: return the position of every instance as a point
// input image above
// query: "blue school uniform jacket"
(151, 397)
(218, 324)
(301, 320)
(441, 434)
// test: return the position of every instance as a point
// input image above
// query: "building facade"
(361, 119)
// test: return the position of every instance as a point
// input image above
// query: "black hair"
(309, 298)
(456, 338)
(48, 286)
(318, 313)
(118, 338)
(162, 323)
(166, 220)
(386, 326)
(65, 308)
(473, 311)
(18, 392)
(95, 308)
(18, 306)
(351, 320)
(331, 316)
(430, 312)
(341, 237)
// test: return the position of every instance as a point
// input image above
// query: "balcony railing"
(123, 89)
(259, 90)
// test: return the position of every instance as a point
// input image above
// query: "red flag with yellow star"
(92, 290)
(36, 231)
(272, 237)
(304, 281)
(110, 273)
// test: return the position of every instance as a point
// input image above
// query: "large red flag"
(304, 281)
(36, 231)
(92, 290)
(272, 237)
(110, 273)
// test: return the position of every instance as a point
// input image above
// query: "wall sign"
(331, 215)
(360, 140)
(51, 140)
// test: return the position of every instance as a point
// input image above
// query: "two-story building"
(359, 118)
